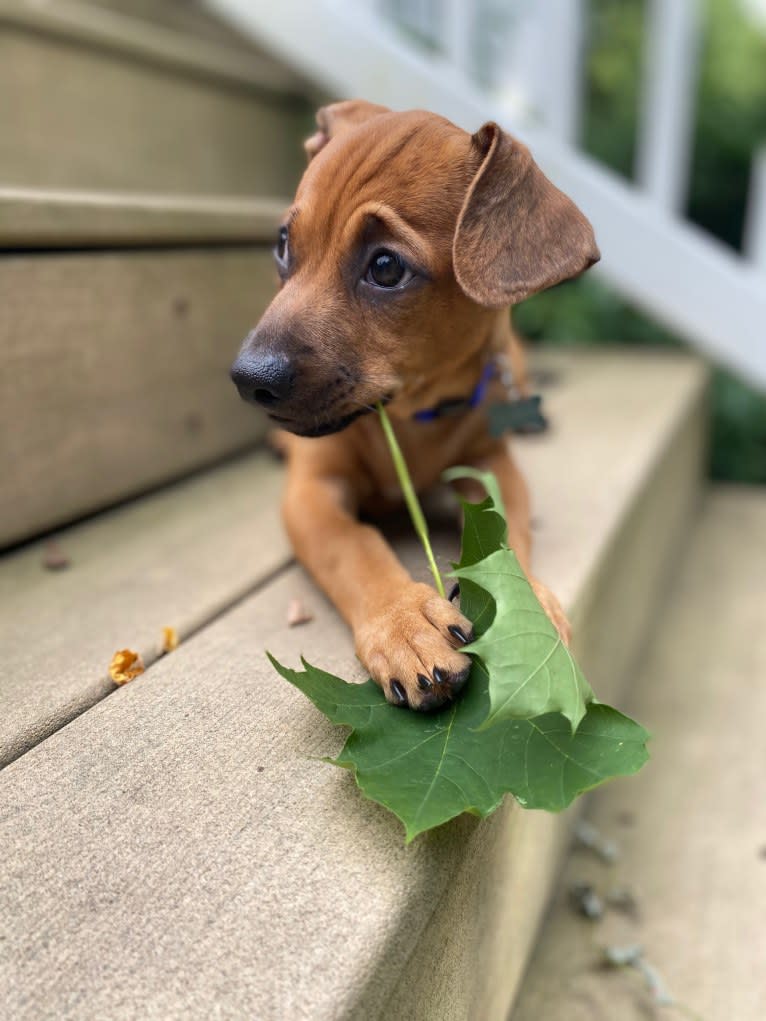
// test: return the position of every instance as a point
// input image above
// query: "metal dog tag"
(520, 416)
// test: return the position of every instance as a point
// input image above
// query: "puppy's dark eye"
(281, 248)
(387, 269)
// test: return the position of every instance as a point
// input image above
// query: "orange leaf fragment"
(170, 639)
(125, 665)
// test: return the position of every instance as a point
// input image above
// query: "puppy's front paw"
(411, 649)
(553, 609)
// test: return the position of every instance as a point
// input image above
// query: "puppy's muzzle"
(300, 391)
(265, 377)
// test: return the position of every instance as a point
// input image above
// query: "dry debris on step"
(170, 639)
(54, 558)
(298, 614)
(125, 666)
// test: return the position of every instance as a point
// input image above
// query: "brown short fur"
(480, 228)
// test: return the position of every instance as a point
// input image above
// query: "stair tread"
(175, 558)
(690, 826)
(186, 824)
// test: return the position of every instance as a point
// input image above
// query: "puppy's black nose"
(263, 378)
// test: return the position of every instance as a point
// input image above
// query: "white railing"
(530, 79)
(755, 223)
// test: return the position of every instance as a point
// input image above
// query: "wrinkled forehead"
(417, 164)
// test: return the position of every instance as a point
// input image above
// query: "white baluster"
(458, 33)
(668, 95)
(755, 221)
(561, 87)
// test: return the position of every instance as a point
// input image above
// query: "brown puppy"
(406, 244)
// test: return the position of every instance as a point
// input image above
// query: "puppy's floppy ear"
(333, 120)
(516, 234)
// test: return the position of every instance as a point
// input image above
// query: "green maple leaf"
(502, 735)
(531, 671)
(430, 768)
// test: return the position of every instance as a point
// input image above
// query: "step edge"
(33, 218)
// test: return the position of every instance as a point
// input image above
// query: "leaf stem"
(410, 497)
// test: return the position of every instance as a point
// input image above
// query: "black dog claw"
(458, 633)
(398, 692)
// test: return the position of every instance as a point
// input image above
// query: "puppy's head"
(405, 237)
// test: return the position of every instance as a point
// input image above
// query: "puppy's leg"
(515, 494)
(406, 635)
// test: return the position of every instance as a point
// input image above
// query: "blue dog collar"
(453, 406)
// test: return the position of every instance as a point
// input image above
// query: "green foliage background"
(730, 123)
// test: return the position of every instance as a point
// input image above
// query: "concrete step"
(179, 851)
(690, 827)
